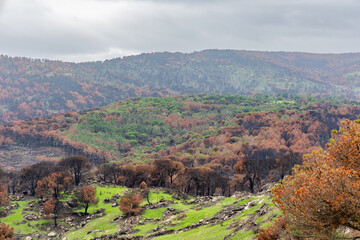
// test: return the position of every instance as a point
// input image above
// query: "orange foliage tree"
(51, 209)
(144, 191)
(53, 185)
(130, 204)
(6, 232)
(86, 197)
(322, 195)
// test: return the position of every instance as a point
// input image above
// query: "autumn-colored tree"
(6, 232)
(53, 185)
(144, 190)
(161, 169)
(77, 165)
(51, 209)
(130, 204)
(141, 174)
(174, 171)
(3, 196)
(322, 195)
(30, 175)
(87, 197)
(166, 168)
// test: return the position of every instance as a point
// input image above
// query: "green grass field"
(150, 223)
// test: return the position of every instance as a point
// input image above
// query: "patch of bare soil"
(18, 157)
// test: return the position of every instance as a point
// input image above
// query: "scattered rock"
(72, 202)
(28, 238)
(68, 220)
(52, 234)
(31, 216)
(126, 228)
(181, 216)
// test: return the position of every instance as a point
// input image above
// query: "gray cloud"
(99, 29)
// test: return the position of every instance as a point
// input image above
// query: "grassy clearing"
(153, 213)
(201, 233)
(143, 229)
(104, 224)
(243, 235)
(193, 216)
(16, 216)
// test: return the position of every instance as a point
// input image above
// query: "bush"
(130, 204)
(6, 232)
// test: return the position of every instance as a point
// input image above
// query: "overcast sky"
(82, 30)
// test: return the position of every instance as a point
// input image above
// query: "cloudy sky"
(81, 30)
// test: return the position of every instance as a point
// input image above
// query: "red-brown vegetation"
(6, 232)
(130, 204)
(321, 197)
(86, 197)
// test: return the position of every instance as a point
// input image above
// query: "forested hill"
(34, 88)
(194, 129)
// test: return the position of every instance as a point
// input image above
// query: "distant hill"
(33, 88)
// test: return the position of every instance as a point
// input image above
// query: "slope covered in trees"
(37, 88)
(268, 134)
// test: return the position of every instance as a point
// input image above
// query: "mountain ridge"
(36, 88)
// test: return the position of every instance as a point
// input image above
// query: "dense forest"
(32, 88)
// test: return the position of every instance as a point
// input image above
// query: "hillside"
(191, 151)
(37, 88)
(210, 130)
(167, 217)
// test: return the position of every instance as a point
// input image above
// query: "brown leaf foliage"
(6, 232)
(322, 196)
(3, 196)
(87, 196)
(130, 204)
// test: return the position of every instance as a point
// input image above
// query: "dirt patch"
(18, 157)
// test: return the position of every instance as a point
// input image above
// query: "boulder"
(51, 234)
(181, 216)
(126, 228)
(31, 216)
(72, 202)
